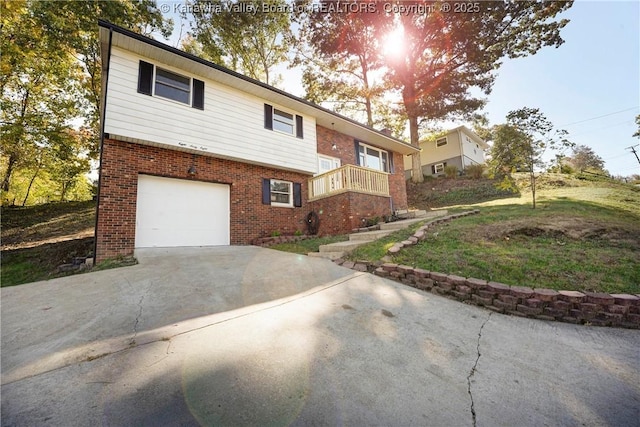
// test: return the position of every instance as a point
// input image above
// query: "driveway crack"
(138, 317)
(473, 370)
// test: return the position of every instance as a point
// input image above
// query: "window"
(281, 193)
(326, 163)
(159, 82)
(282, 121)
(172, 86)
(373, 158)
(441, 141)
(438, 168)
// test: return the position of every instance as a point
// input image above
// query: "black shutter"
(391, 168)
(266, 191)
(433, 169)
(297, 194)
(198, 94)
(145, 77)
(299, 132)
(268, 117)
(357, 145)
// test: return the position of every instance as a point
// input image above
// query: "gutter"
(103, 106)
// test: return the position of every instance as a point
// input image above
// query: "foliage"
(341, 56)
(584, 158)
(474, 171)
(50, 84)
(520, 144)
(249, 42)
(637, 133)
(451, 171)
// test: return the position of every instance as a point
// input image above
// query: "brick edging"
(590, 308)
(421, 233)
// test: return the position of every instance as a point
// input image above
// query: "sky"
(589, 86)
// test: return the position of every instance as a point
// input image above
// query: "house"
(194, 154)
(460, 147)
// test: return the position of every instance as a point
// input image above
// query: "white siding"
(473, 153)
(230, 126)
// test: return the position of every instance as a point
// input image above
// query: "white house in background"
(460, 147)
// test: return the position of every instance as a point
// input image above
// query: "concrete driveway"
(250, 336)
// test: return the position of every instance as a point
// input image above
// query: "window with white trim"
(156, 81)
(172, 86)
(373, 158)
(439, 167)
(441, 141)
(282, 121)
(326, 163)
(281, 193)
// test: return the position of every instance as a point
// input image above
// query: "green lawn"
(583, 236)
(309, 245)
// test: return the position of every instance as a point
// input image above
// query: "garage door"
(175, 212)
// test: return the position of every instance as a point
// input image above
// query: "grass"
(38, 239)
(579, 238)
(584, 235)
(308, 245)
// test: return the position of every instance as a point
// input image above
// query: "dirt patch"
(574, 228)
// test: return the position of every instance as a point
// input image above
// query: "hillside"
(37, 239)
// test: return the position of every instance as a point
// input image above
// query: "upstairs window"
(282, 121)
(441, 141)
(173, 86)
(155, 81)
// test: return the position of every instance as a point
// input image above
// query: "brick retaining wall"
(599, 309)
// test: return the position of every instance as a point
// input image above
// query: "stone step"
(369, 235)
(412, 214)
(347, 246)
(328, 255)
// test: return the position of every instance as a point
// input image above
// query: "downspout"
(105, 76)
(461, 149)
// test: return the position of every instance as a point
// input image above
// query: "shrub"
(474, 171)
(451, 171)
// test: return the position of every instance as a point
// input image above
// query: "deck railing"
(349, 178)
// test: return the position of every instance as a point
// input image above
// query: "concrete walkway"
(337, 250)
(251, 336)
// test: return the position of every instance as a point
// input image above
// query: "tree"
(637, 133)
(584, 157)
(523, 142)
(249, 36)
(341, 53)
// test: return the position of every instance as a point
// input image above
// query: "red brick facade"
(122, 162)
(342, 213)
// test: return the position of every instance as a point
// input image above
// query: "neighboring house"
(460, 147)
(193, 154)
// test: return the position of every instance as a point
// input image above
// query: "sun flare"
(394, 42)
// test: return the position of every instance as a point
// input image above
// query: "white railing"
(349, 178)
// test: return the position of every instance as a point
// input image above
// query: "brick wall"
(342, 213)
(345, 151)
(122, 162)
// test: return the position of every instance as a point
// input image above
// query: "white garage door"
(176, 212)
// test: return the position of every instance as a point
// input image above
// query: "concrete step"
(403, 223)
(408, 214)
(328, 255)
(369, 235)
(347, 246)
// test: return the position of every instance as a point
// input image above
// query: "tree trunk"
(533, 188)
(7, 175)
(33, 178)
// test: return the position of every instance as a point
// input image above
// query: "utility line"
(599, 117)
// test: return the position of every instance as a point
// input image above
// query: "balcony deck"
(349, 178)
